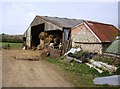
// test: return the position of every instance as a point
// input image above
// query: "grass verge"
(12, 45)
(80, 74)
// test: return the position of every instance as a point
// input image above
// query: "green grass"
(80, 74)
(12, 45)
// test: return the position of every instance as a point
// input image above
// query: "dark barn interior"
(55, 33)
(35, 31)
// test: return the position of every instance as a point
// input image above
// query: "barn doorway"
(35, 31)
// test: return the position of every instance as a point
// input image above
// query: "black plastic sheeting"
(82, 57)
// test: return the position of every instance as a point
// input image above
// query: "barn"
(93, 36)
(52, 25)
(90, 36)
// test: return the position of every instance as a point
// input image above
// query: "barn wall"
(37, 21)
(91, 47)
(48, 26)
(28, 37)
(80, 35)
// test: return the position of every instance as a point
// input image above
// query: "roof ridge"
(56, 22)
(60, 17)
(49, 21)
(97, 22)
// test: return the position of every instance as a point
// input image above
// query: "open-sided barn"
(52, 25)
(90, 36)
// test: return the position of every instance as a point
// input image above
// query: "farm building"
(93, 36)
(51, 25)
(90, 36)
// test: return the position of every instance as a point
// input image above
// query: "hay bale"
(41, 45)
(56, 41)
(45, 53)
(48, 40)
(42, 42)
(43, 35)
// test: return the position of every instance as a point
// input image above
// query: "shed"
(59, 26)
(114, 48)
(93, 36)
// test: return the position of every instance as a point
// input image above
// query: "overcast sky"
(16, 16)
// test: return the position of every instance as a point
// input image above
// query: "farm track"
(26, 73)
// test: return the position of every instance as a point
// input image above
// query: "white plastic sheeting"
(103, 66)
(73, 50)
(110, 80)
(91, 66)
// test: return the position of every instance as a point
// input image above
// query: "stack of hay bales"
(42, 37)
(46, 39)
(41, 45)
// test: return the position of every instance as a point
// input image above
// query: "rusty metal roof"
(105, 32)
(62, 22)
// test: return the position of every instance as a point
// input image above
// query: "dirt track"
(24, 73)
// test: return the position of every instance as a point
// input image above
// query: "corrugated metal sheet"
(62, 22)
(114, 47)
(105, 32)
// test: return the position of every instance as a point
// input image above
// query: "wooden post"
(63, 43)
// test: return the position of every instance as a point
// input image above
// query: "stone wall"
(90, 47)
(81, 36)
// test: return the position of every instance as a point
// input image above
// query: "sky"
(119, 14)
(17, 16)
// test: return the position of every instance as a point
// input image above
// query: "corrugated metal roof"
(62, 22)
(105, 32)
(114, 47)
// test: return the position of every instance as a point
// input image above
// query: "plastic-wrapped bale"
(43, 35)
(41, 45)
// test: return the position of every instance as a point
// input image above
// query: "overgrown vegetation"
(81, 74)
(77, 68)
(11, 38)
(111, 61)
